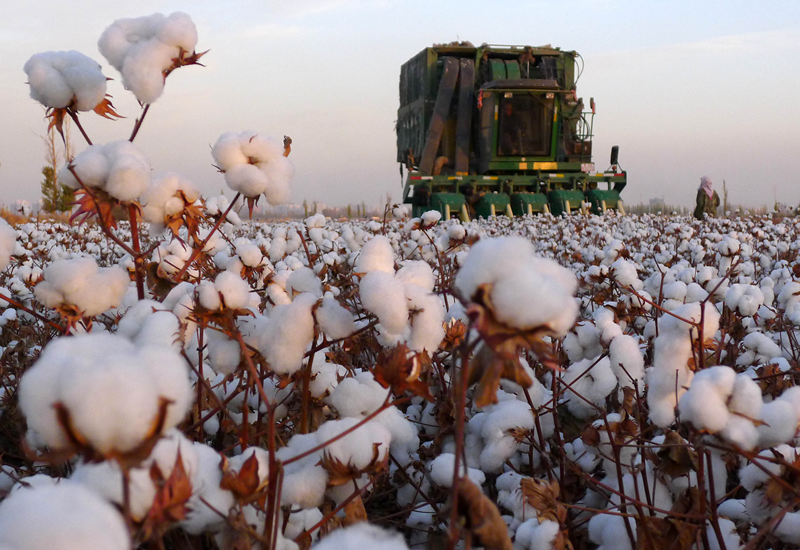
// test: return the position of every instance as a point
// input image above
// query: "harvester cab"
(499, 130)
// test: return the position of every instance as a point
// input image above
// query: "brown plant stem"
(133, 216)
(28, 310)
(74, 117)
(198, 249)
(139, 122)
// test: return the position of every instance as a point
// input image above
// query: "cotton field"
(317, 383)
(173, 375)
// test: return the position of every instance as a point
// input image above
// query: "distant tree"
(726, 206)
(56, 197)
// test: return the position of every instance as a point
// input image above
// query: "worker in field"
(707, 199)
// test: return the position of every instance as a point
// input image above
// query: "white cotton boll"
(595, 385)
(792, 395)
(675, 291)
(610, 533)
(224, 354)
(746, 397)
(779, 423)
(357, 447)
(162, 328)
(443, 467)
(234, 291)
(334, 320)
(733, 509)
(143, 48)
(431, 217)
(288, 334)
(325, 378)
(500, 443)
(250, 254)
(8, 239)
(362, 536)
(178, 30)
(306, 487)
(254, 164)
(246, 179)
(405, 438)
(383, 295)
(61, 517)
(227, 151)
(526, 291)
(207, 497)
(129, 173)
(788, 530)
(532, 297)
(533, 535)
(111, 389)
(376, 255)
(624, 272)
(741, 432)
(729, 536)
(304, 280)
(704, 406)
(358, 396)
(418, 273)
(81, 283)
(58, 79)
(427, 318)
(105, 480)
(208, 296)
(626, 360)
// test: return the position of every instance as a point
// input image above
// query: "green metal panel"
(597, 198)
(528, 203)
(492, 204)
(447, 203)
(560, 198)
(498, 69)
(512, 70)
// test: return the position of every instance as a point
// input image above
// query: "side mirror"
(615, 155)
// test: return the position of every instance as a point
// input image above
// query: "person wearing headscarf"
(707, 199)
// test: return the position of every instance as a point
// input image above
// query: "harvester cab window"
(525, 124)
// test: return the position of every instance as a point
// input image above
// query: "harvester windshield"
(525, 126)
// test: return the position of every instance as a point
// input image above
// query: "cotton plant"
(61, 516)
(403, 300)
(80, 288)
(67, 82)
(146, 49)
(670, 375)
(255, 165)
(101, 395)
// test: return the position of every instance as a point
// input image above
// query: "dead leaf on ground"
(482, 518)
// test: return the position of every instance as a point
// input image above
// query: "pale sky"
(685, 88)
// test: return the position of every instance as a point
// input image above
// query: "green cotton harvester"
(493, 130)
